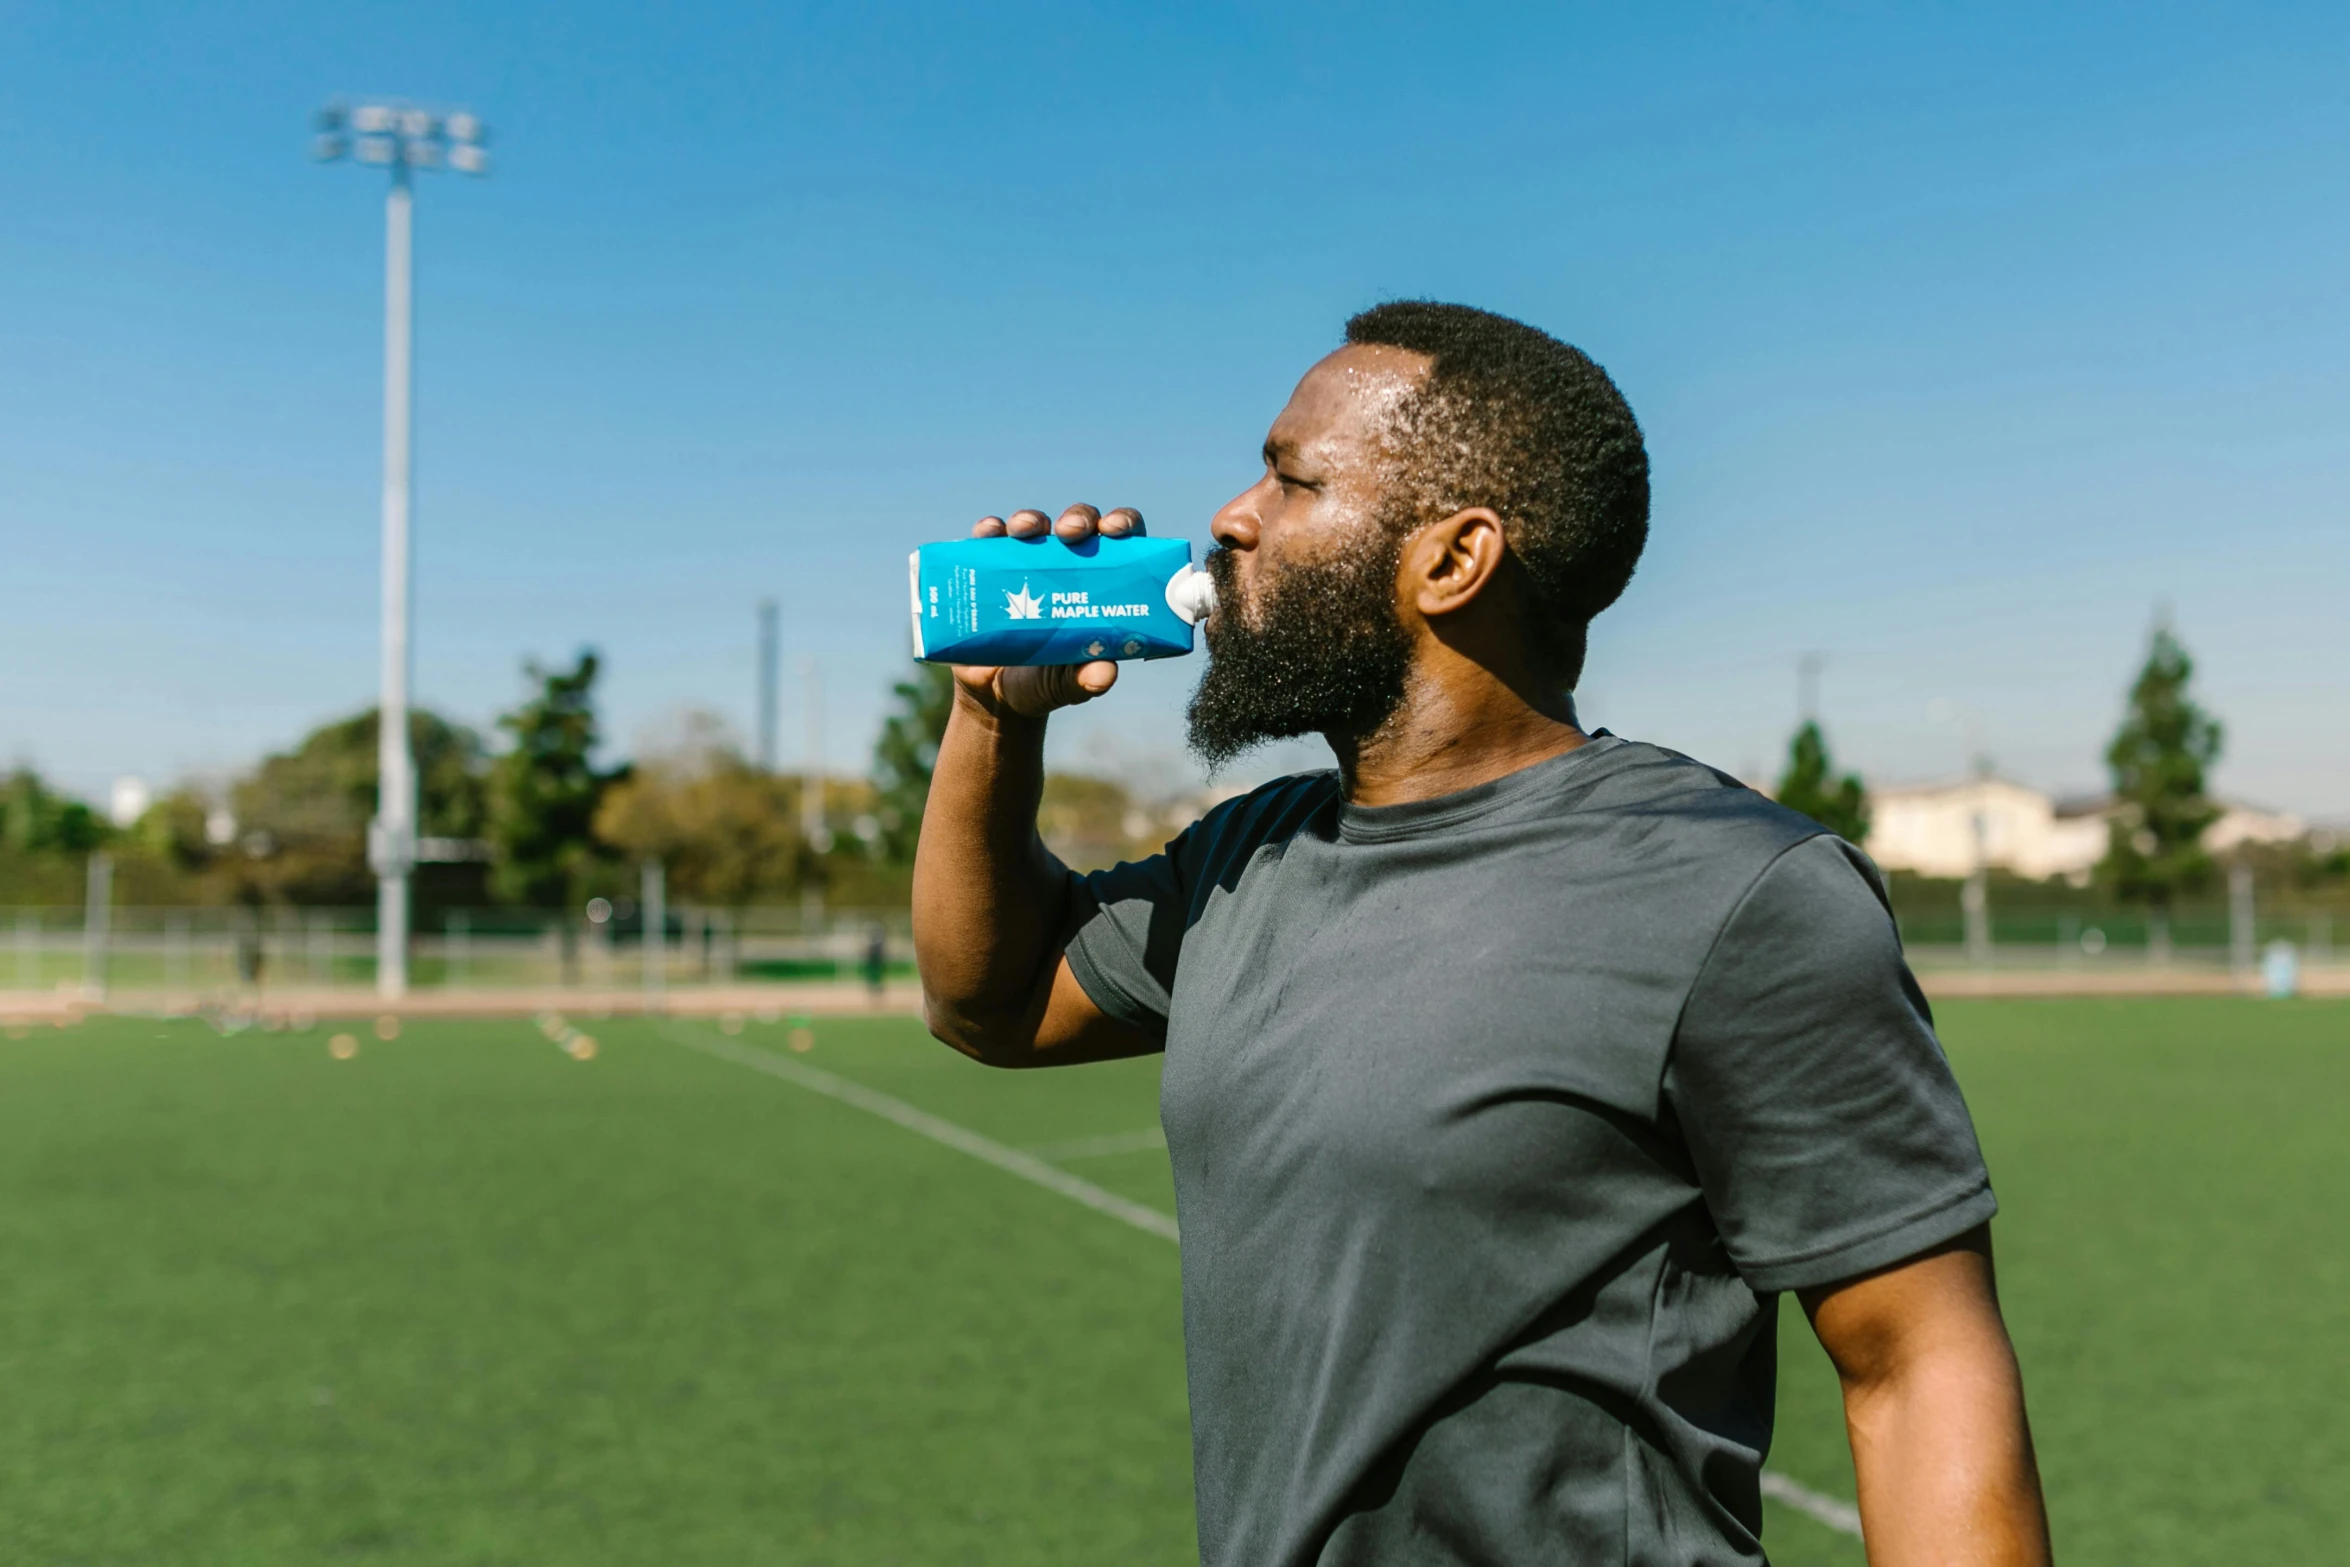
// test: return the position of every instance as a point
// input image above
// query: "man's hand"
(1032, 691)
(1934, 1406)
(991, 904)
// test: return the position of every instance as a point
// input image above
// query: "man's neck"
(1451, 735)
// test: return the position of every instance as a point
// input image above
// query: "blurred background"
(1970, 348)
(1992, 360)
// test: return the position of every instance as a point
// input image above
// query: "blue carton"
(1044, 601)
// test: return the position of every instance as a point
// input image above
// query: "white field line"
(922, 1123)
(1142, 1141)
(1843, 1517)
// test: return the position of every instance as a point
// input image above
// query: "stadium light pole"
(770, 677)
(1974, 895)
(402, 138)
(812, 826)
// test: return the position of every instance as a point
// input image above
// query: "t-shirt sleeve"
(1129, 922)
(1129, 930)
(1826, 1128)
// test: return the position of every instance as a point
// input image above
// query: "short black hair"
(1514, 419)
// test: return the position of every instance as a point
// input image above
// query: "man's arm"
(991, 902)
(1934, 1406)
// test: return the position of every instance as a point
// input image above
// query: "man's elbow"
(989, 1039)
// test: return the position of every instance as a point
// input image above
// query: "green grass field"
(465, 1299)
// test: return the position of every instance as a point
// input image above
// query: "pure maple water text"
(1045, 601)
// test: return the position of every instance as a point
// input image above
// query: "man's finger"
(1034, 690)
(1070, 684)
(1123, 523)
(988, 528)
(1077, 524)
(1028, 523)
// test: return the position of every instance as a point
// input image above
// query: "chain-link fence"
(2119, 937)
(208, 949)
(201, 950)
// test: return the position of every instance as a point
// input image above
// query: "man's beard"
(1319, 651)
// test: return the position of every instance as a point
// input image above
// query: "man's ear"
(1447, 565)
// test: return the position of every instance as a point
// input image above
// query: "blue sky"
(1963, 336)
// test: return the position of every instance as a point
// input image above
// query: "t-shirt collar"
(1413, 818)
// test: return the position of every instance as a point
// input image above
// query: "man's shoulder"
(1730, 860)
(1679, 797)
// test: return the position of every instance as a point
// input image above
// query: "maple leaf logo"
(1023, 605)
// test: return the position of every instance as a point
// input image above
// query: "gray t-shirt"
(1498, 1120)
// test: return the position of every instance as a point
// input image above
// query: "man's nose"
(1235, 526)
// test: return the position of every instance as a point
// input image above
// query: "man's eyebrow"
(1277, 451)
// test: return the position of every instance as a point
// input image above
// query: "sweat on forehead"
(1376, 370)
(1357, 391)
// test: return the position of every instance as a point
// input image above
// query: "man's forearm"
(989, 899)
(1944, 1461)
(1934, 1405)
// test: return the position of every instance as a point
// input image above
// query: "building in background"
(1947, 829)
(2244, 824)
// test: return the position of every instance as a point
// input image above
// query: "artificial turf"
(467, 1299)
(2175, 1271)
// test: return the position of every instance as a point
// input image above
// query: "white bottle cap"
(1191, 594)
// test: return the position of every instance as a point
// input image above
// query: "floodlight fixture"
(402, 137)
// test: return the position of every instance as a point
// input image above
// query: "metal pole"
(1975, 896)
(655, 892)
(97, 921)
(812, 797)
(1807, 687)
(2240, 933)
(770, 694)
(396, 787)
(460, 944)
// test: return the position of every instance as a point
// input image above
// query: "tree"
(176, 831)
(36, 819)
(2159, 757)
(724, 830)
(301, 815)
(544, 792)
(1839, 804)
(1093, 822)
(905, 754)
(45, 840)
